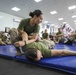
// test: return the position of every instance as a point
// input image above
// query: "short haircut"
(31, 54)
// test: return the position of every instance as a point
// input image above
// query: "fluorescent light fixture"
(56, 26)
(74, 20)
(53, 12)
(73, 16)
(45, 21)
(67, 24)
(64, 22)
(1, 16)
(15, 9)
(16, 20)
(52, 24)
(72, 7)
(37, 0)
(60, 19)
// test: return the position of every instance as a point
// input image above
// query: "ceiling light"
(1, 16)
(60, 19)
(67, 24)
(45, 21)
(53, 12)
(16, 20)
(74, 16)
(64, 22)
(56, 26)
(15, 9)
(52, 24)
(74, 20)
(37, 0)
(72, 7)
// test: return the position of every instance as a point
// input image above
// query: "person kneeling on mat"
(27, 31)
(37, 50)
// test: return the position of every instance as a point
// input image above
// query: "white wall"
(11, 21)
(8, 21)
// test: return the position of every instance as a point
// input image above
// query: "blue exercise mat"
(66, 63)
(7, 51)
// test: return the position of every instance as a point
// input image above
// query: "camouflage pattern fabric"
(14, 35)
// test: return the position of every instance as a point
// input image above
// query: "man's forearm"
(30, 37)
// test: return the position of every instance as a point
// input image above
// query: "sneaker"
(13, 34)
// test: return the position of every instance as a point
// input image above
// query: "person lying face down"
(35, 54)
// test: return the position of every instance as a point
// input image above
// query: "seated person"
(45, 34)
(37, 50)
(3, 38)
(51, 36)
(58, 36)
(50, 43)
(46, 39)
(70, 38)
(73, 35)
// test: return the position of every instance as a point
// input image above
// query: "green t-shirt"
(4, 38)
(40, 46)
(25, 26)
(58, 33)
(45, 35)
